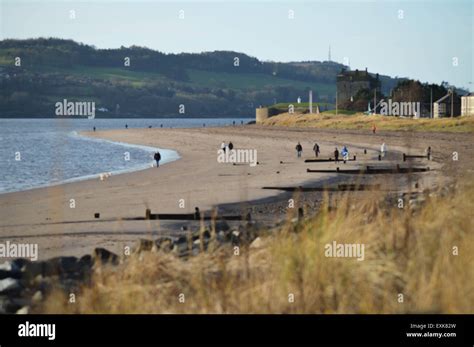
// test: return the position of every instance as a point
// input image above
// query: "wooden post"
(300, 213)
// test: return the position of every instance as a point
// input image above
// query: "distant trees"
(154, 83)
(408, 91)
(67, 53)
(360, 100)
(415, 91)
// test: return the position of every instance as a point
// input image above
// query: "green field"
(252, 81)
(135, 78)
(202, 78)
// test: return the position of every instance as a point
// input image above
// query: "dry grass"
(405, 253)
(361, 121)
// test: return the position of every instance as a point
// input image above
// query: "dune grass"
(362, 121)
(409, 253)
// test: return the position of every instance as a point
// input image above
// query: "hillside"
(154, 84)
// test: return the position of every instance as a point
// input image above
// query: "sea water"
(43, 152)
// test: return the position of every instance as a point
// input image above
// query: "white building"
(467, 105)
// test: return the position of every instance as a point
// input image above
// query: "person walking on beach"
(299, 149)
(126, 126)
(336, 155)
(157, 157)
(316, 150)
(223, 146)
(94, 128)
(230, 146)
(428, 153)
(383, 150)
(345, 153)
(374, 128)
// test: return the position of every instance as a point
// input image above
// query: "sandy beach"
(44, 215)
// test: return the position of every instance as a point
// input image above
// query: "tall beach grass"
(415, 261)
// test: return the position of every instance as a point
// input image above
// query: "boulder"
(37, 297)
(44, 285)
(164, 244)
(196, 247)
(20, 263)
(144, 245)
(105, 256)
(10, 287)
(181, 239)
(224, 236)
(10, 305)
(33, 269)
(61, 266)
(245, 235)
(68, 285)
(222, 225)
(257, 243)
(6, 266)
(235, 237)
(205, 235)
(86, 261)
(3, 305)
(180, 247)
(9, 274)
(14, 267)
(23, 310)
(9, 270)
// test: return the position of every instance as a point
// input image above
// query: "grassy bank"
(361, 121)
(410, 265)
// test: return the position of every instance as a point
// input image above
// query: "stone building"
(350, 82)
(261, 114)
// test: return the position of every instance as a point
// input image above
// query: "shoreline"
(175, 156)
(43, 215)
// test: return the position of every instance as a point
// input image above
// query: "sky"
(429, 40)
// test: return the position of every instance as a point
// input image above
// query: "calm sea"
(43, 152)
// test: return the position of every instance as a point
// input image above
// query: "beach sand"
(44, 216)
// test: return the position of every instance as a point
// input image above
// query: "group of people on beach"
(343, 153)
(299, 150)
(317, 150)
